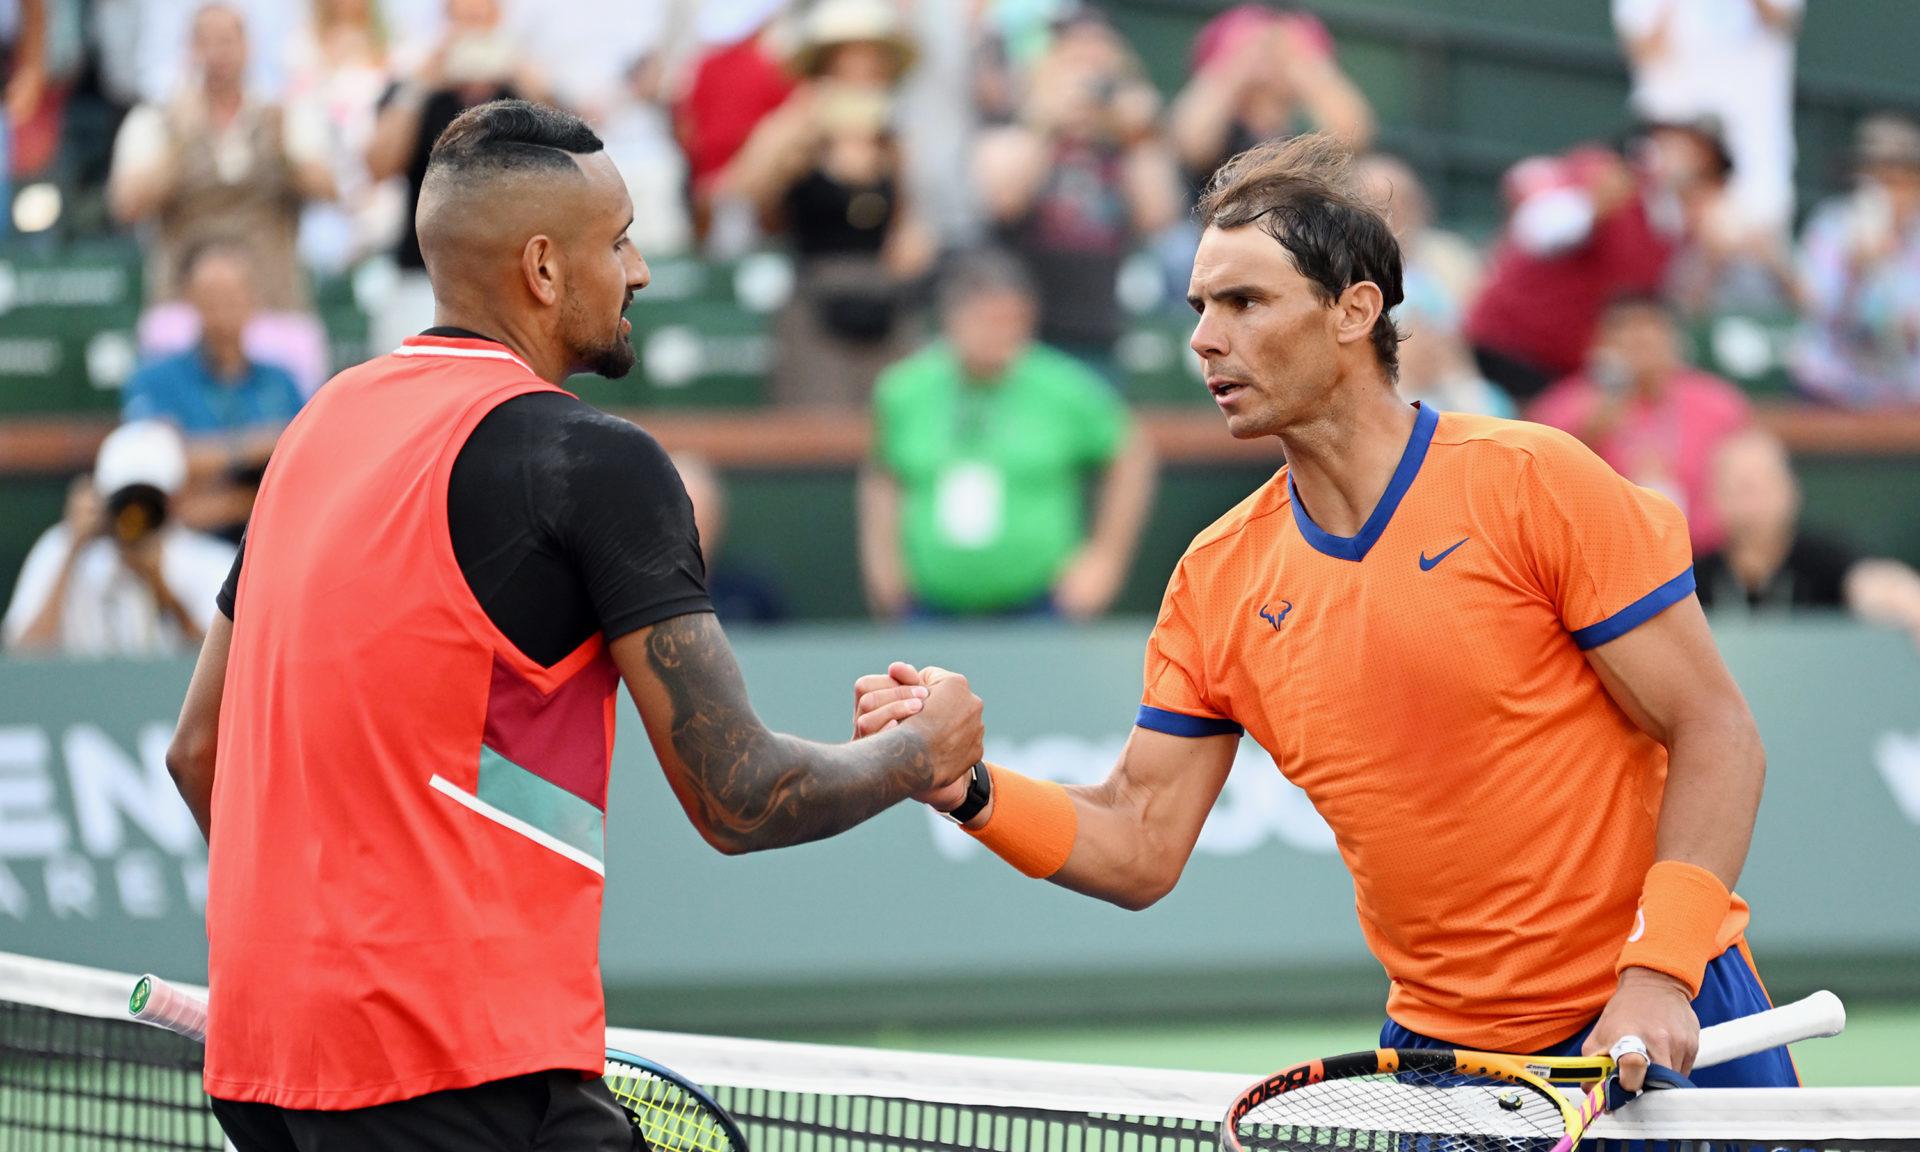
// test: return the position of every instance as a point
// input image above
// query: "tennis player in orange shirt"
(1474, 646)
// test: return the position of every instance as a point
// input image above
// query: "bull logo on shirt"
(1286, 606)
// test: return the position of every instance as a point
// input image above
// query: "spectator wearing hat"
(119, 576)
(1859, 341)
(1258, 74)
(216, 162)
(827, 170)
(1731, 60)
(984, 446)
(1728, 259)
(1080, 180)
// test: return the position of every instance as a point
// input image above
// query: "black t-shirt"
(1814, 575)
(565, 521)
(828, 218)
(440, 109)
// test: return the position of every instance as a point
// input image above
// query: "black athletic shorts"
(555, 1111)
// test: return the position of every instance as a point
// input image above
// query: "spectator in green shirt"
(984, 442)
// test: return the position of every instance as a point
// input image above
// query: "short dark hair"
(1302, 193)
(981, 271)
(503, 136)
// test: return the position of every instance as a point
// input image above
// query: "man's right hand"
(887, 700)
(949, 720)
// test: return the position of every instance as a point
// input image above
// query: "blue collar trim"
(1425, 420)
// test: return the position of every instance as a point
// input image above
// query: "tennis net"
(77, 1073)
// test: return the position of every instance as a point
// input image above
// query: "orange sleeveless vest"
(405, 872)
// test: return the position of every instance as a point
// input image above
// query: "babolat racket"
(673, 1113)
(1472, 1101)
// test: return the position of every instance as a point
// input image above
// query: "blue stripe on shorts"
(1728, 991)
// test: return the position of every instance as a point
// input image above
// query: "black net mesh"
(776, 1121)
(73, 1083)
(805, 1122)
(70, 1083)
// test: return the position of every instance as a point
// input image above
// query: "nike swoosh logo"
(1426, 565)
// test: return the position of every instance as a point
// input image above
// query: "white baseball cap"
(141, 452)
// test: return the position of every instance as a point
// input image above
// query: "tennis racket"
(1472, 1100)
(672, 1113)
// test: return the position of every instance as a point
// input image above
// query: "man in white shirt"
(1729, 59)
(118, 577)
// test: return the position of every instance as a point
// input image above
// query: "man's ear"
(540, 268)
(1357, 309)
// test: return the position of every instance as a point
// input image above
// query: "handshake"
(946, 712)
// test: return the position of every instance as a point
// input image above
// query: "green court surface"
(1878, 1047)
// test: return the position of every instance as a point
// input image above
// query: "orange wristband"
(1677, 927)
(1032, 825)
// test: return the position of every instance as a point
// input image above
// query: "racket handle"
(156, 1002)
(1820, 1014)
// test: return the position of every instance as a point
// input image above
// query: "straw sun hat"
(831, 23)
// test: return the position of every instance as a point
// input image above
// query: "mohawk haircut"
(505, 136)
(1302, 192)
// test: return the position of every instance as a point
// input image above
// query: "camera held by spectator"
(119, 576)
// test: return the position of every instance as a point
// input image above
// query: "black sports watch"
(979, 791)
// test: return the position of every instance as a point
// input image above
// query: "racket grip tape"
(1820, 1014)
(156, 1002)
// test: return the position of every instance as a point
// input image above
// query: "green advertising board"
(904, 917)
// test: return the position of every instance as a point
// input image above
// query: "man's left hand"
(1658, 1009)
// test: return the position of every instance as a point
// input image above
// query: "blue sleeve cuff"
(1636, 613)
(1181, 724)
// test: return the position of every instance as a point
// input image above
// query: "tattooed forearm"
(759, 789)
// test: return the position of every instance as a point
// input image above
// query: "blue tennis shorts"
(1729, 990)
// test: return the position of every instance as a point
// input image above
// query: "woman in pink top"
(1644, 411)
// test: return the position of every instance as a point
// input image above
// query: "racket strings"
(1405, 1112)
(670, 1118)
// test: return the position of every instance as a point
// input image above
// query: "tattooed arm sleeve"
(744, 787)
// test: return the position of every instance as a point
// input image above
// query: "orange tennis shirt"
(1425, 683)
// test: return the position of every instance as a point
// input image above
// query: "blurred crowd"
(975, 197)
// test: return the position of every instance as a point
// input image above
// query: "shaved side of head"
(523, 222)
(501, 173)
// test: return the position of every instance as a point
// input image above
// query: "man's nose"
(1207, 340)
(638, 277)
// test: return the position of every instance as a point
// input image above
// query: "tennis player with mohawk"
(400, 730)
(1474, 646)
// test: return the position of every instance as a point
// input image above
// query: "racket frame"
(1820, 1014)
(1530, 1072)
(701, 1095)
